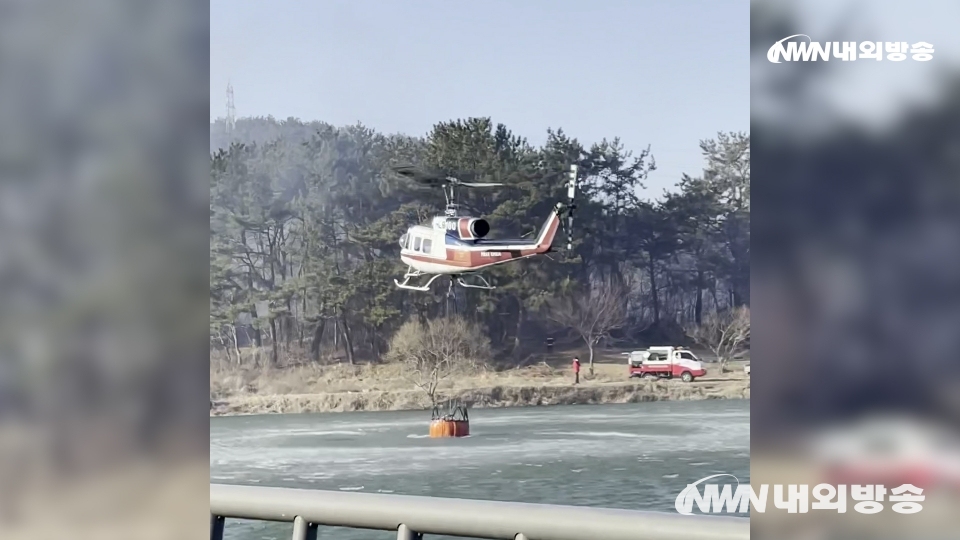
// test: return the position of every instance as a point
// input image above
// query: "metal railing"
(412, 517)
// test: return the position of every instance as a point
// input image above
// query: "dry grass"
(342, 387)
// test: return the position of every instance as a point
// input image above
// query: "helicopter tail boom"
(548, 232)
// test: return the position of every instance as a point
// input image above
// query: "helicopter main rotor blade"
(480, 184)
(438, 179)
(417, 174)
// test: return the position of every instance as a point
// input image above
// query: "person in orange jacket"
(576, 370)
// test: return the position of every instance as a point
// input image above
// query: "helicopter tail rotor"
(571, 192)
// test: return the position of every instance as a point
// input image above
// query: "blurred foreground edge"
(103, 269)
(855, 277)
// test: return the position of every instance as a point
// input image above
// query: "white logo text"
(801, 48)
(795, 498)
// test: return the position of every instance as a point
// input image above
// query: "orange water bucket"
(449, 428)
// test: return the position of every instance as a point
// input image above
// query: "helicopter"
(456, 245)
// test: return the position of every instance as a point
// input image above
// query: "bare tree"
(592, 314)
(724, 333)
(432, 352)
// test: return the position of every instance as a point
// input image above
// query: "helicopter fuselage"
(457, 245)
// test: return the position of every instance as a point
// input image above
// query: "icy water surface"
(635, 456)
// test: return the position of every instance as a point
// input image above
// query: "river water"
(634, 456)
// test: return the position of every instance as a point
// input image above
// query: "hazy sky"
(660, 73)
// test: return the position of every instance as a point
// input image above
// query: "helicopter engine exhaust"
(469, 228)
(479, 227)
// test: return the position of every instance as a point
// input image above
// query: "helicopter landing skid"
(412, 274)
(485, 285)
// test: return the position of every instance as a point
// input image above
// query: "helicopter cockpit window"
(416, 243)
(427, 244)
(403, 241)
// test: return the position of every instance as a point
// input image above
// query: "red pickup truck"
(665, 363)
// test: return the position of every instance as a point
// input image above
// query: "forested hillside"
(306, 217)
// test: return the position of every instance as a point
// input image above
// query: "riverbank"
(343, 388)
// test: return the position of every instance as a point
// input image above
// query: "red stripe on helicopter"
(463, 227)
(472, 259)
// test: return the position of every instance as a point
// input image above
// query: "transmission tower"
(231, 112)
